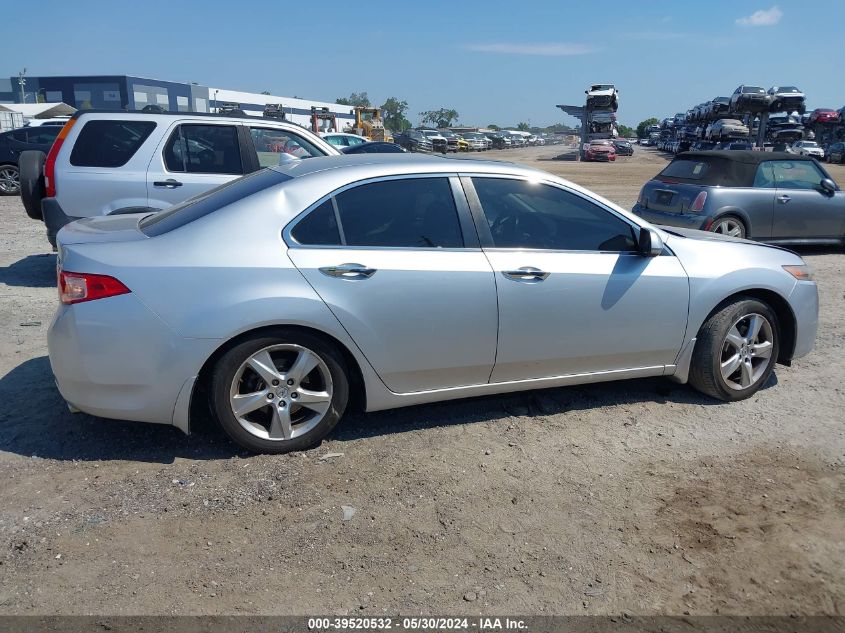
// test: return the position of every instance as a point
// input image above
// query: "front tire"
(736, 350)
(279, 391)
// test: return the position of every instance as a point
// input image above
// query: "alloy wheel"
(746, 351)
(9, 180)
(729, 226)
(281, 392)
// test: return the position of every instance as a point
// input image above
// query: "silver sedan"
(291, 295)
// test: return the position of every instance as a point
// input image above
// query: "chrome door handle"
(783, 199)
(351, 272)
(170, 183)
(526, 273)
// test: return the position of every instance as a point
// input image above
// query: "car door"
(401, 269)
(803, 210)
(574, 296)
(194, 157)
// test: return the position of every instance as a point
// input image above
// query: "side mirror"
(828, 186)
(649, 243)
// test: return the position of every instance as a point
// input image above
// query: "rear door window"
(408, 213)
(109, 143)
(197, 148)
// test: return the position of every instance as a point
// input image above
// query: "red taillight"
(50, 163)
(79, 287)
(698, 203)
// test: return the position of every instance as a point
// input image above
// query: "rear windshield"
(712, 171)
(202, 205)
(109, 143)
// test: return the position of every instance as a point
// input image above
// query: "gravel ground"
(641, 496)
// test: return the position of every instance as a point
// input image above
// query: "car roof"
(749, 156)
(390, 164)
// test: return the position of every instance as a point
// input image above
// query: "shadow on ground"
(36, 421)
(33, 271)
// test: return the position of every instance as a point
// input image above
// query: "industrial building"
(124, 92)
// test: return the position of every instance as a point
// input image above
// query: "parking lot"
(641, 497)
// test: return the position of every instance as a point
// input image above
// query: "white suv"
(106, 163)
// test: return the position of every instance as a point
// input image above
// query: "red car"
(824, 115)
(600, 151)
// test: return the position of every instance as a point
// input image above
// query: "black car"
(499, 141)
(376, 147)
(835, 153)
(413, 141)
(623, 148)
(735, 145)
(12, 144)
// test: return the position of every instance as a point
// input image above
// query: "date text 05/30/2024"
(416, 624)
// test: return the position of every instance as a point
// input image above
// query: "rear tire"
(290, 389)
(31, 170)
(736, 350)
(729, 225)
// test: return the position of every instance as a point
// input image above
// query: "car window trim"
(472, 237)
(484, 228)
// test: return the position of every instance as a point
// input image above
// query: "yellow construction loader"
(368, 123)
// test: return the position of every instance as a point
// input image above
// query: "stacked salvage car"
(732, 121)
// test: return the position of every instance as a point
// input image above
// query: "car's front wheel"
(280, 391)
(736, 350)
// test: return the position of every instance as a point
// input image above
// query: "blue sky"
(494, 62)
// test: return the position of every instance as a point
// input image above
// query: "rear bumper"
(115, 358)
(54, 218)
(683, 220)
(804, 300)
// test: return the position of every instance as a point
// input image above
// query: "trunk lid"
(112, 228)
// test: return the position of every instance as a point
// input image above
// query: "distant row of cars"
(833, 153)
(442, 141)
(439, 141)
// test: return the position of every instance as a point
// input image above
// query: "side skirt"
(389, 400)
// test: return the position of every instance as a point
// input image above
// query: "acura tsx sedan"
(294, 294)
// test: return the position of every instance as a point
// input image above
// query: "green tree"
(265, 92)
(355, 99)
(522, 126)
(493, 126)
(626, 131)
(394, 114)
(444, 117)
(644, 124)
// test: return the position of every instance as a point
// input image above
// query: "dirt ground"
(641, 497)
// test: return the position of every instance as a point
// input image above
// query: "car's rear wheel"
(729, 225)
(279, 392)
(10, 184)
(736, 350)
(32, 190)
